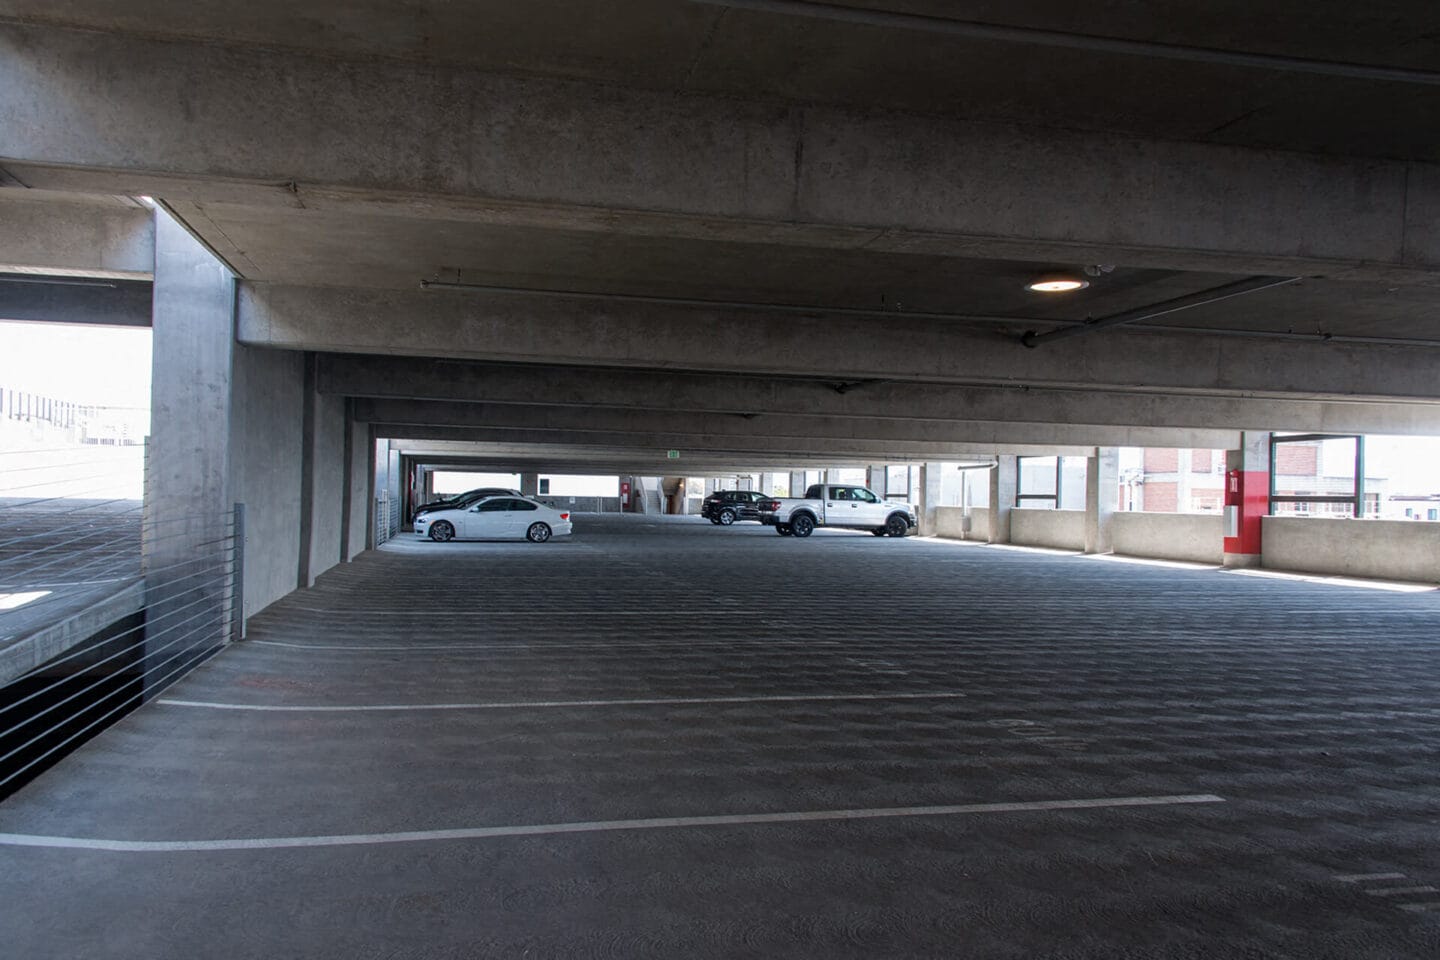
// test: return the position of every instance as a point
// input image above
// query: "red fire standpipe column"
(1247, 499)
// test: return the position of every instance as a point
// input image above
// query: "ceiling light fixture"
(1057, 284)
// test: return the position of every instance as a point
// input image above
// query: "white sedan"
(495, 518)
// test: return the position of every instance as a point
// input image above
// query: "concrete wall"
(1198, 538)
(1061, 529)
(1386, 549)
(327, 484)
(266, 439)
(360, 478)
(950, 522)
(979, 526)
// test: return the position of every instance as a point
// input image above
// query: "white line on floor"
(1419, 907)
(542, 647)
(596, 826)
(1400, 891)
(1362, 877)
(538, 704)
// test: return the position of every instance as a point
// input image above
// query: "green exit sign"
(672, 454)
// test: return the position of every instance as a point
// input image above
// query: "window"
(523, 505)
(839, 493)
(493, 506)
(544, 486)
(864, 496)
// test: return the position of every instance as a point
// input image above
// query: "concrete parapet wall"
(1061, 529)
(979, 526)
(1386, 549)
(950, 522)
(1198, 538)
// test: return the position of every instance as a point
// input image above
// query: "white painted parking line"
(1363, 877)
(1400, 891)
(1419, 907)
(582, 645)
(544, 704)
(595, 826)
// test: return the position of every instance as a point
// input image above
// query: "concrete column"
(188, 488)
(530, 484)
(1247, 498)
(930, 493)
(1102, 490)
(797, 484)
(358, 480)
(875, 478)
(1184, 467)
(1003, 482)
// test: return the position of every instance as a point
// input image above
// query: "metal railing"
(102, 608)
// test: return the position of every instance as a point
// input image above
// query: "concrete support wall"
(188, 492)
(1061, 529)
(267, 431)
(358, 477)
(1102, 484)
(1196, 538)
(1004, 481)
(1384, 549)
(327, 488)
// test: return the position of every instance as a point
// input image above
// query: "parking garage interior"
(1113, 303)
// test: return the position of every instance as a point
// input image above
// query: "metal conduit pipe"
(1227, 291)
(1080, 41)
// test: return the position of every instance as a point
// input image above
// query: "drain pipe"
(1228, 291)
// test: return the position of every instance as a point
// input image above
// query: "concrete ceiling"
(714, 48)
(782, 157)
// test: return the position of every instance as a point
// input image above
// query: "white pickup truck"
(837, 505)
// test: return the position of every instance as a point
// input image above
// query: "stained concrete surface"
(1309, 710)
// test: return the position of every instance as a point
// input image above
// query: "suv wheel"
(727, 517)
(802, 526)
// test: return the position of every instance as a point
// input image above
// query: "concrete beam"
(108, 301)
(74, 236)
(739, 431)
(759, 450)
(190, 120)
(477, 382)
(554, 329)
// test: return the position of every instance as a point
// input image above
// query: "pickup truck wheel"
(783, 529)
(878, 531)
(897, 526)
(802, 526)
(726, 518)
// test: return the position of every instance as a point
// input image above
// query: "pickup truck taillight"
(769, 506)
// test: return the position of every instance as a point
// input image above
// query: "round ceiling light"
(1057, 284)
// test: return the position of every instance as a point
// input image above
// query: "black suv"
(726, 506)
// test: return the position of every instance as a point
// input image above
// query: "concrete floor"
(1263, 757)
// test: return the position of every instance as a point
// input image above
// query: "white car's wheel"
(538, 533)
(441, 531)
